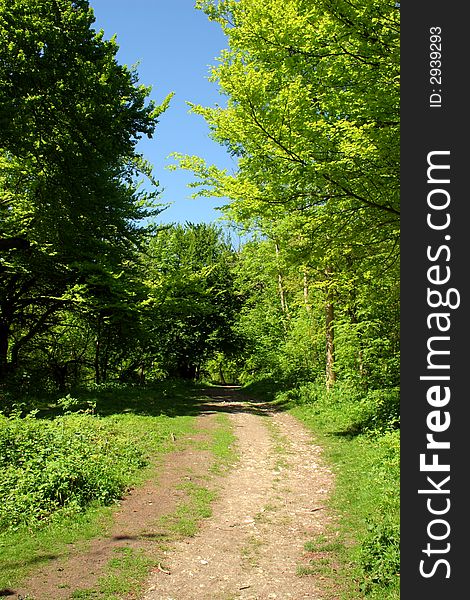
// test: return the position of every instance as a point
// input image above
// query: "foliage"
(312, 117)
(58, 465)
(70, 205)
(346, 409)
(91, 293)
(95, 301)
(191, 302)
(141, 421)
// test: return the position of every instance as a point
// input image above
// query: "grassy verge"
(64, 473)
(361, 444)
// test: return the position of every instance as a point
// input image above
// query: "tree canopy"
(70, 207)
(312, 116)
(96, 295)
(92, 289)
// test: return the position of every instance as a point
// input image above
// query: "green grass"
(323, 543)
(251, 551)
(184, 521)
(223, 445)
(146, 421)
(366, 498)
(23, 550)
(125, 575)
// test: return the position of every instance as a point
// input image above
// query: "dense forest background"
(93, 290)
(300, 290)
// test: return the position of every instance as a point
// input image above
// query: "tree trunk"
(280, 284)
(360, 355)
(221, 376)
(330, 345)
(330, 336)
(104, 361)
(307, 305)
(60, 376)
(98, 351)
(4, 334)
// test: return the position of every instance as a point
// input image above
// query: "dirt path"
(135, 524)
(268, 507)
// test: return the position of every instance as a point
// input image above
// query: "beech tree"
(191, 304)
(70, 207)
(312, 116)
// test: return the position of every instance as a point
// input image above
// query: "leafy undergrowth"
(63, 465)
(361, 439)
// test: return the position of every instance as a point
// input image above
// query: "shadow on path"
(230, 399)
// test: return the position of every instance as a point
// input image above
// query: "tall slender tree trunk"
(4, 334)
(330, 345)
(360, 355)
(105, 358)
(352, 311)
(280, 284)
(330, 336)
(307, 305)
(98, 351)
(221, 376)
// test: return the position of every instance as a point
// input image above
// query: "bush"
(380, 553)
(60, 465)
(380, 411)
(352, 409)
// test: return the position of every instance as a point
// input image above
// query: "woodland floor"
(268, 505)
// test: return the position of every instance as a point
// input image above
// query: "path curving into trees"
(270, 504)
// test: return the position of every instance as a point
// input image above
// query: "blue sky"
(174, 44)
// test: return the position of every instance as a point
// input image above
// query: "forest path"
(268, 506)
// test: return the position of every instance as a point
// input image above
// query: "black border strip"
(435, 523)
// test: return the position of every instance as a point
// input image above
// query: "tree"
(70, 206)
(192, 303)
(312, 116)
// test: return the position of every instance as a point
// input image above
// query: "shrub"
(381, 410)
(63, 464)
(380, 553)
(352, 410)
